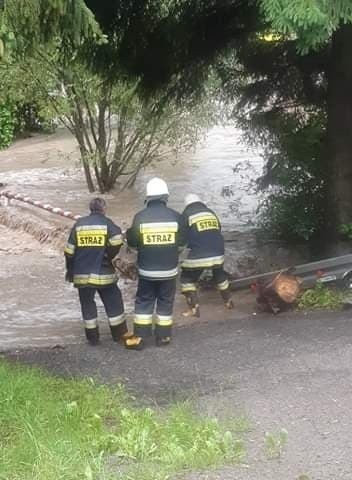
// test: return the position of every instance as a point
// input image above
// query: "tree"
(317, 25)
(25, 25)
(170, 45)
(117, 131)
(316, 36)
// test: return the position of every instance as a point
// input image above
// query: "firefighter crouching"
(155, 233)
(206, 252)
(93, 243)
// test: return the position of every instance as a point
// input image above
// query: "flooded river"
(46, 167)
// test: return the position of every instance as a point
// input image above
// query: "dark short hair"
(97, 205)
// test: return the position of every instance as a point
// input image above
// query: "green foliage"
(346, 230)
(294, 208)
(7, 125)
(311, 22)
(28, 24)
(69, 429)
(321, 298)
(118, 131)
(275, 443)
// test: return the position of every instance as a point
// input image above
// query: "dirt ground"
(292, 371)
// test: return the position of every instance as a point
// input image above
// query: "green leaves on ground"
(321, 297)
(68, 429)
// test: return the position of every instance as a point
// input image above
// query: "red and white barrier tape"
(36, 203)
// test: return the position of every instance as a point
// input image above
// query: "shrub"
(6, 126)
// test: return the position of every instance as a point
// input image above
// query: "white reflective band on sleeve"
(203, 262)
(164, 320)
(158, 273)
(223, 285)
(113, 321)
(116, 240)
(143, 319)
(90, 323)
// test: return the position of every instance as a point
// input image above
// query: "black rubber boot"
(117, 331)
(92, 335)
(193, 304)
(226, 296)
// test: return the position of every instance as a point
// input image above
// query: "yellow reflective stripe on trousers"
(188, 287)
(164, 320)
(113, 321)
(93, 279)
(203, 262)
(223, 285)
(90, 323)
(143, 319)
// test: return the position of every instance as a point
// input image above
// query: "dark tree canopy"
(179, 40)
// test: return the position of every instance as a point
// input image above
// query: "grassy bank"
(53, 428)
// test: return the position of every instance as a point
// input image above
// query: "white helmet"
(157, 187)
(191, 198)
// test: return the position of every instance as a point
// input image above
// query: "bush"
(7, 125)
(291, 216)
(321, 298)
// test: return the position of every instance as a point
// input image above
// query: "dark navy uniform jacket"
(203, 237)
(93, 242)
(156, 234)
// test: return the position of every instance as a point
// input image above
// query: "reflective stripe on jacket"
(156, 234)
(93, 242)
(203, 237)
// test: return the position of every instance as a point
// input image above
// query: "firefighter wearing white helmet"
(156, 234)
(206, 251)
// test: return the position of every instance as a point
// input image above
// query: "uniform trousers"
(112, 301)
(154, 296)
(190, 277)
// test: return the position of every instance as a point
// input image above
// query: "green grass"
(52, 428)
(275, 443)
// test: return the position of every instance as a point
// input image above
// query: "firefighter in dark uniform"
(206, 252)
(155, 233)
(93, 242)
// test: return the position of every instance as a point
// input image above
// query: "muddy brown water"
(46, 167)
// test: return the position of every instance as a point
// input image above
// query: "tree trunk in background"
(339, 131)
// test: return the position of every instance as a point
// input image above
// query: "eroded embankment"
(44, 228)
